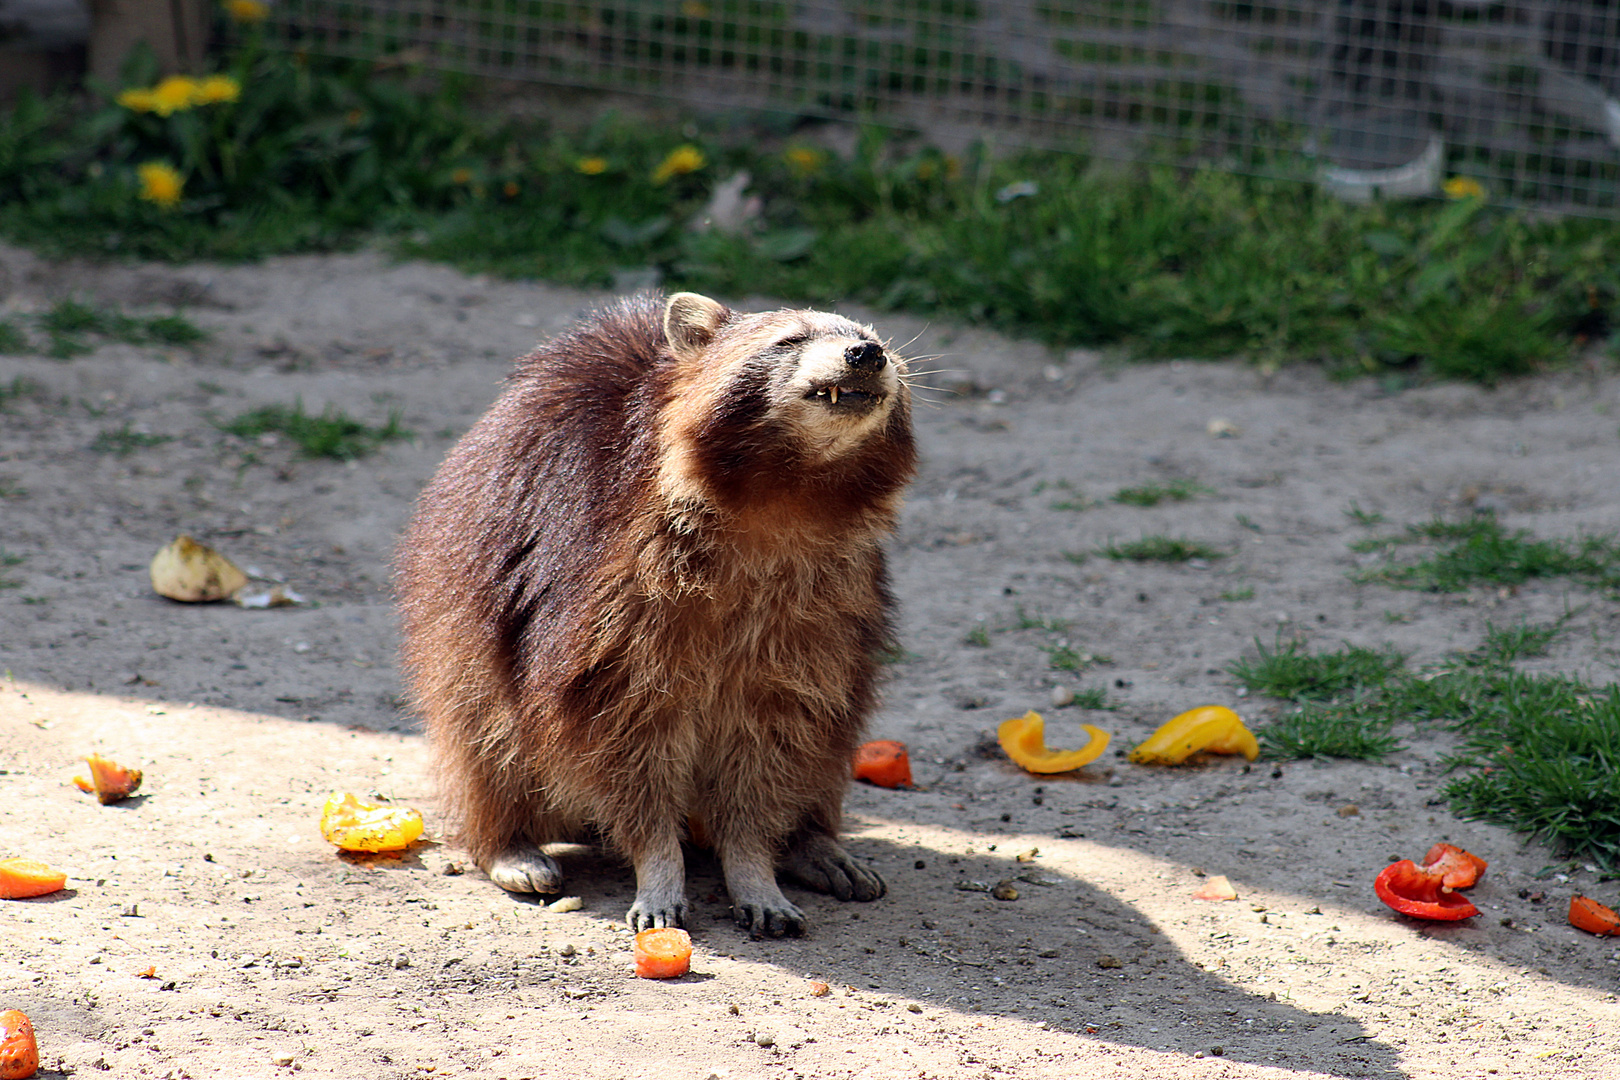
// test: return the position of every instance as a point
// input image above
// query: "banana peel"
(1213, 729)
(1024, 740)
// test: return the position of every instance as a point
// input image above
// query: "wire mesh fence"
(1367, 97)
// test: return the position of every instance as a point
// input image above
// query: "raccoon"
(645, 596)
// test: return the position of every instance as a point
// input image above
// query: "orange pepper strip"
(21, 879)
(1589, 915)
(1024, 740)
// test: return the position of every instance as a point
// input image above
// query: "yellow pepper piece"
(1024, 739)
(361, 826)
(1213, 728)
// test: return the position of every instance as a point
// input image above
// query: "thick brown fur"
(648, 586)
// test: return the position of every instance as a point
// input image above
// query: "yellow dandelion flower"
(591, 166)
(247, 11)
(175, 94)
(1463, 187)
(805, 160)
(215, 89)
(138, 100)
(681, 160)
(160, 183)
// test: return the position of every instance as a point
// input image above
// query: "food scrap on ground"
(19, 1053)
(1589, 915)
(1024, 740)
(194, 573)
(663, 953)
(1213, 729)
(1429, 891)
(883, 762)
(22, 879)
(355, 825)
(110, 781)
(1216, 887)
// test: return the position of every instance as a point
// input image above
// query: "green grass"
(72, 327)
(1363, 517)
(1234, 595)
(978, 637)
(1287, 671)
(1161, 549)
(123, 441)
(1538, 753)
(1093, 697)
(19, 387)
(1328, 731)
(7, 559)
(1165, 260)
(1481, 551)
(333, 434)
(1154, 494)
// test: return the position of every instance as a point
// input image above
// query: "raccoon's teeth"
(832, 392)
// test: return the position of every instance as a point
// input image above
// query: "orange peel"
(1024, 740)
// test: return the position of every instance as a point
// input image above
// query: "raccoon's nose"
(867, 356)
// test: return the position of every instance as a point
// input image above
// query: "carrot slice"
(1589, 915)
(664, 953)
(884, 763)
(22, 878)
(111, 780)
(19, 1053)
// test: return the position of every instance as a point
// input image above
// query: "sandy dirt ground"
(208, 930)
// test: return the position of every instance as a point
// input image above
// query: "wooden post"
(175, 30)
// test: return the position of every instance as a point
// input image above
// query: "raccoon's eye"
(794, 341)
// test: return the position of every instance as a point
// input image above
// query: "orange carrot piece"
(1589, 915)
(19, 1053)
(884, 763)
(22, 878)
(664, 953)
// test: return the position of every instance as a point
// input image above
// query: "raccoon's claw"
(769, 920)
(652, 916)
(820, 864)
(525, 870)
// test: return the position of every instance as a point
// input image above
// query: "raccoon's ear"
(690, 322)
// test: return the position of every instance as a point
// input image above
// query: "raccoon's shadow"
(1064, 953)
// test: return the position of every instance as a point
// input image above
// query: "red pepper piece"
(1428, 891)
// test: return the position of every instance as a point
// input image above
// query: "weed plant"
(1539, 753)
(1161, 549)
(279, 152)
(125, 441)
(1154, 494)
(1481, 551)
(333, 434)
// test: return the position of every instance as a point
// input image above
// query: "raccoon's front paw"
(820, 864)
(525, 870)
(653, 915)
(769, 918)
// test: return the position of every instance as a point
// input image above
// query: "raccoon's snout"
(867, 356)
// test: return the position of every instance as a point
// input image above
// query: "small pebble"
(1349, 810)
(1061, 696)
(1110, 962)
(281, 1058)
(567, 950)
(764, 1038)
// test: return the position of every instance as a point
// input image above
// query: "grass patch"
(12, 340)
(19, 387)
(1327, 731)
(1363, 517)
(1234, 595)
(1093, 697)
(72, 328)
(333, 434)
(124, 441)
(1166, 549)
(315, 154)
(1539, 753)
(1154, 494)
(7, 559)
(978, 637)
(1481, 551)
(1287, 671)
